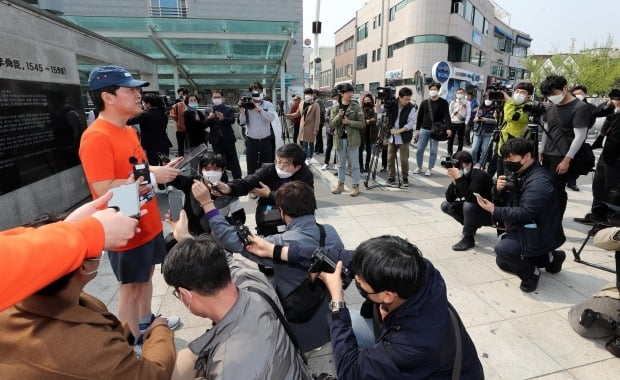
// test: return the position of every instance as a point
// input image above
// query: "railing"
(180, 12)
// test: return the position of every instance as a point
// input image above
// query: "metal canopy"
(202, 52)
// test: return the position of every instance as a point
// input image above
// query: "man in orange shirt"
(107, 150)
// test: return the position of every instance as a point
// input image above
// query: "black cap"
(614, 94)
(308, 91)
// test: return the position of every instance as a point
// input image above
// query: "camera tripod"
(382, 134)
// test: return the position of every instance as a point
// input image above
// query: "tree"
(597, 68)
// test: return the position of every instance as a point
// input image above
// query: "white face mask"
(488, 102)
(556, 99)
(580, 97)
(217, 101)
(465, 171)
(211, 175)
(460, 96)
(518, 98)
(433, 93)
(283, 173)
(308, 98)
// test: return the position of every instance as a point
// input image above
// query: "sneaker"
(405, 182)
(417, 171)
(307, 161)
(174, 321)
(390, 182)
(252, 196)
(324, 167)
(383, 170)
(555, 266)
(335, 167)
(466, 243)
(530, 284)
(428, 172)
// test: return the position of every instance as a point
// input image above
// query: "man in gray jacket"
(297, 204)
(247, 341)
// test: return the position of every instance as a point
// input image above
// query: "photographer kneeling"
(532, 216)
(460, 200)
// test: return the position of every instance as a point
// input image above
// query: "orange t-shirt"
(105, 150)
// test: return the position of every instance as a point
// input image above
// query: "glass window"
(374, 55)
(378, 54)
(478, 20)
(359, 88)
(519, 51)
(468, 11)
(475, 56)
(362, 32)
(392, 15)
(362, 61)
(372, 87)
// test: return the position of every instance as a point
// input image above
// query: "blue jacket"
(533, 212)
(417, 341)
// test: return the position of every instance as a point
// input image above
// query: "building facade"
(344, 54)
(401, 40)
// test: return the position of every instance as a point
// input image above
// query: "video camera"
(496, 92)
(450, 162)
(322, 262)
(247, 103)
(511, 180)
(589, 317)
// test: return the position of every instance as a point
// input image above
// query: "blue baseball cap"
(105, 76)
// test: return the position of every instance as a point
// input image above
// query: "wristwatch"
(335, 306)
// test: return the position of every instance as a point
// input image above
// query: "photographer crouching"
(532, 216)
(460, 200)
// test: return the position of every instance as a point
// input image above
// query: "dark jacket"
(611, 129)
(441, 112)
(153, 136)
(533, 212)
(417, 340)
(402, 121)
(267, 174)
(221, 131)
(195, 128)
(370, 131)
(478, 181)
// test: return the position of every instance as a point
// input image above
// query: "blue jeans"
(480, 142)
(352, 153)
(425, 136)
(362, 329)
(308, 148)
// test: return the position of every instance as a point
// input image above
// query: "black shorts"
(134, 265)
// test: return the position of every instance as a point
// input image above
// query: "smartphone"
(478, 195)
(196, 152)
(125, 199)
(176, 200)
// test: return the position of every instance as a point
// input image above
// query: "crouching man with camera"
(417, 333)
(460, 200)
(532, 216)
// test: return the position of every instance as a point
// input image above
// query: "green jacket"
(354, 129)
(512, 129)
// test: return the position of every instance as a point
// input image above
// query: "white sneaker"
(308, 163)
(324, 167)
(174, 321)
(428, 173)
(335, 166)
(417, 171)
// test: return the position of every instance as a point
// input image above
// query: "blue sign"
(441, 71)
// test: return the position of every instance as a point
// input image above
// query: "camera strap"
(430, 111)
(458, 355)
(285, 324)
(321, 235)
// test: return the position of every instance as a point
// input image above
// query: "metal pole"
(315, 51)
(175, 75)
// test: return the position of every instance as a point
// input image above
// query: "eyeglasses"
(364, 293)
(176, 293)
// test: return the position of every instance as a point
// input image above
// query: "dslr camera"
(511, 181)
(322, 262)
(534, 109)
(450, 162)
(243, 232)
(247, 103)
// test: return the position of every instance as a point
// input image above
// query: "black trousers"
(258, 152)
(328, 151)
(470, 215)
(560, 180)
(368, 148)
(606, 178)
(318, 144)
(510, 259)
(295, 132)
(229, 151)
(458, 131)
(181, 143)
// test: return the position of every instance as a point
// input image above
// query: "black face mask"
(367, 105)
(364, 293)
(513, 166)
